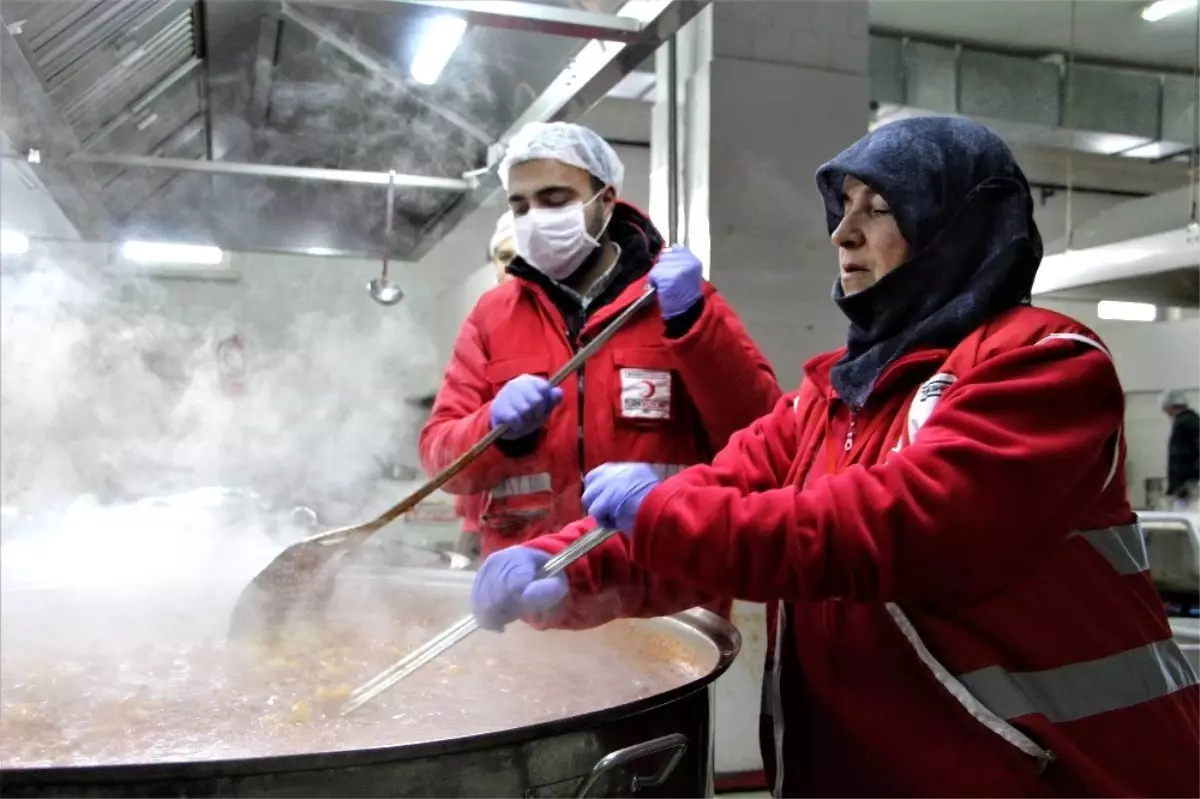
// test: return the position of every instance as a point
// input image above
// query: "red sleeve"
(717, 353)
(1009, 457)
(607, 584)
(461, 416)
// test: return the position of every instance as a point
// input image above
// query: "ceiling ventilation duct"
(1144, 250)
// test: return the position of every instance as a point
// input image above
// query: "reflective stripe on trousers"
(995, 696)
(522, 484)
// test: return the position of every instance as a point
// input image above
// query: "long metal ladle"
(464, 627)
(382, 291)
(266, 602)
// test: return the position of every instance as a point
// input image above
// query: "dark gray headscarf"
(965, 209)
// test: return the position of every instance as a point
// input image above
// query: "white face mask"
(555, 241)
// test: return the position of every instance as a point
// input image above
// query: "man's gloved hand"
(678, 278)
(505, 589)
(524, 404)
(613, 493)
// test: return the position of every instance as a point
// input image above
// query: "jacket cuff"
(679, 325)
(650, 536)
(519, 447)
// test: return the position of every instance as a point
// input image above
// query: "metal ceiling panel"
(96, 58)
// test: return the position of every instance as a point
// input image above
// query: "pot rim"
(719, 632)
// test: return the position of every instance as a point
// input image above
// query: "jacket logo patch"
(928, 395)
(645, 394)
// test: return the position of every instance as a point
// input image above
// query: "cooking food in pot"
(96, 700)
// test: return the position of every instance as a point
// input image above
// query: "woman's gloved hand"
(678, 278)
(524, 404)
(505, 589)
(612, 493)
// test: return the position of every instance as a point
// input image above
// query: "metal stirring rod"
(464, 627)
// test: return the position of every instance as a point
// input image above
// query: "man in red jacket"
(668, 389)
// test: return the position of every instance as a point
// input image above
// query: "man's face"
(505, 252)
(546, 183)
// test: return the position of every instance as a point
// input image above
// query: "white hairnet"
(566, 142)
(504, 230)
(1172, 398)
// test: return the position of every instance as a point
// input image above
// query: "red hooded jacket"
(960, 602)
(652, 394)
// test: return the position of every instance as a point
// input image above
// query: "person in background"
(503, 247)
(1183, 448)
(670, 387)
(938, 517)
(469, 507)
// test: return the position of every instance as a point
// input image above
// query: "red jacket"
(648, 397)
(966, 606)
(469, 507)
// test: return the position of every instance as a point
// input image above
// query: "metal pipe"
(387, 224)
(672, 140)
(236, 169)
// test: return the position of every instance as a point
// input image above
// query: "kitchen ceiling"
(298, 84)
(1105, 30)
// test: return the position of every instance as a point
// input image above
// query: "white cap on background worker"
(502, 248)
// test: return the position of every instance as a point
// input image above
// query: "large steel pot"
(660, 745)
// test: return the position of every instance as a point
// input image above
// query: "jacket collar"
(901, 375)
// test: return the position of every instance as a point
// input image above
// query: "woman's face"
(868, 239)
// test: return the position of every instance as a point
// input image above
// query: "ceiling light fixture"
(13, 243)
(152, 252)
(442, 35)
(1161, 9)
(1117, 311)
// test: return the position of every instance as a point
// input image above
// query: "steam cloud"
(113, 387)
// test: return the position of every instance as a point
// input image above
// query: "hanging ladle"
(382, 291)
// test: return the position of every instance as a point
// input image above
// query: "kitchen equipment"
(1173, 553)
(465, 626)
(290, 579)
(382, 291)
(658, 743)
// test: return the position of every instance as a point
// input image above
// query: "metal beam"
(585, 81)
(27, 115)
(236, 169)
(510, 15)
(376, 67)
(266, 57)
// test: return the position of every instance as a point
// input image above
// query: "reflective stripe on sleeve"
(665, 470)
(522, 484)
(1122, 546)
(1089, 688)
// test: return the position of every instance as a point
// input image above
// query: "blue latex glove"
(524, 404)
(612, 493)
(504, 589)
(678, 277)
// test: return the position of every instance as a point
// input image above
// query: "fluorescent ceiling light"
(442, 35)
(152, 252)
(1126, 311)
(13, 243)
(1161, 9)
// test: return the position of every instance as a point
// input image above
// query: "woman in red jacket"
(938, 518)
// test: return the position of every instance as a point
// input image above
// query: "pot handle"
(676, 742)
